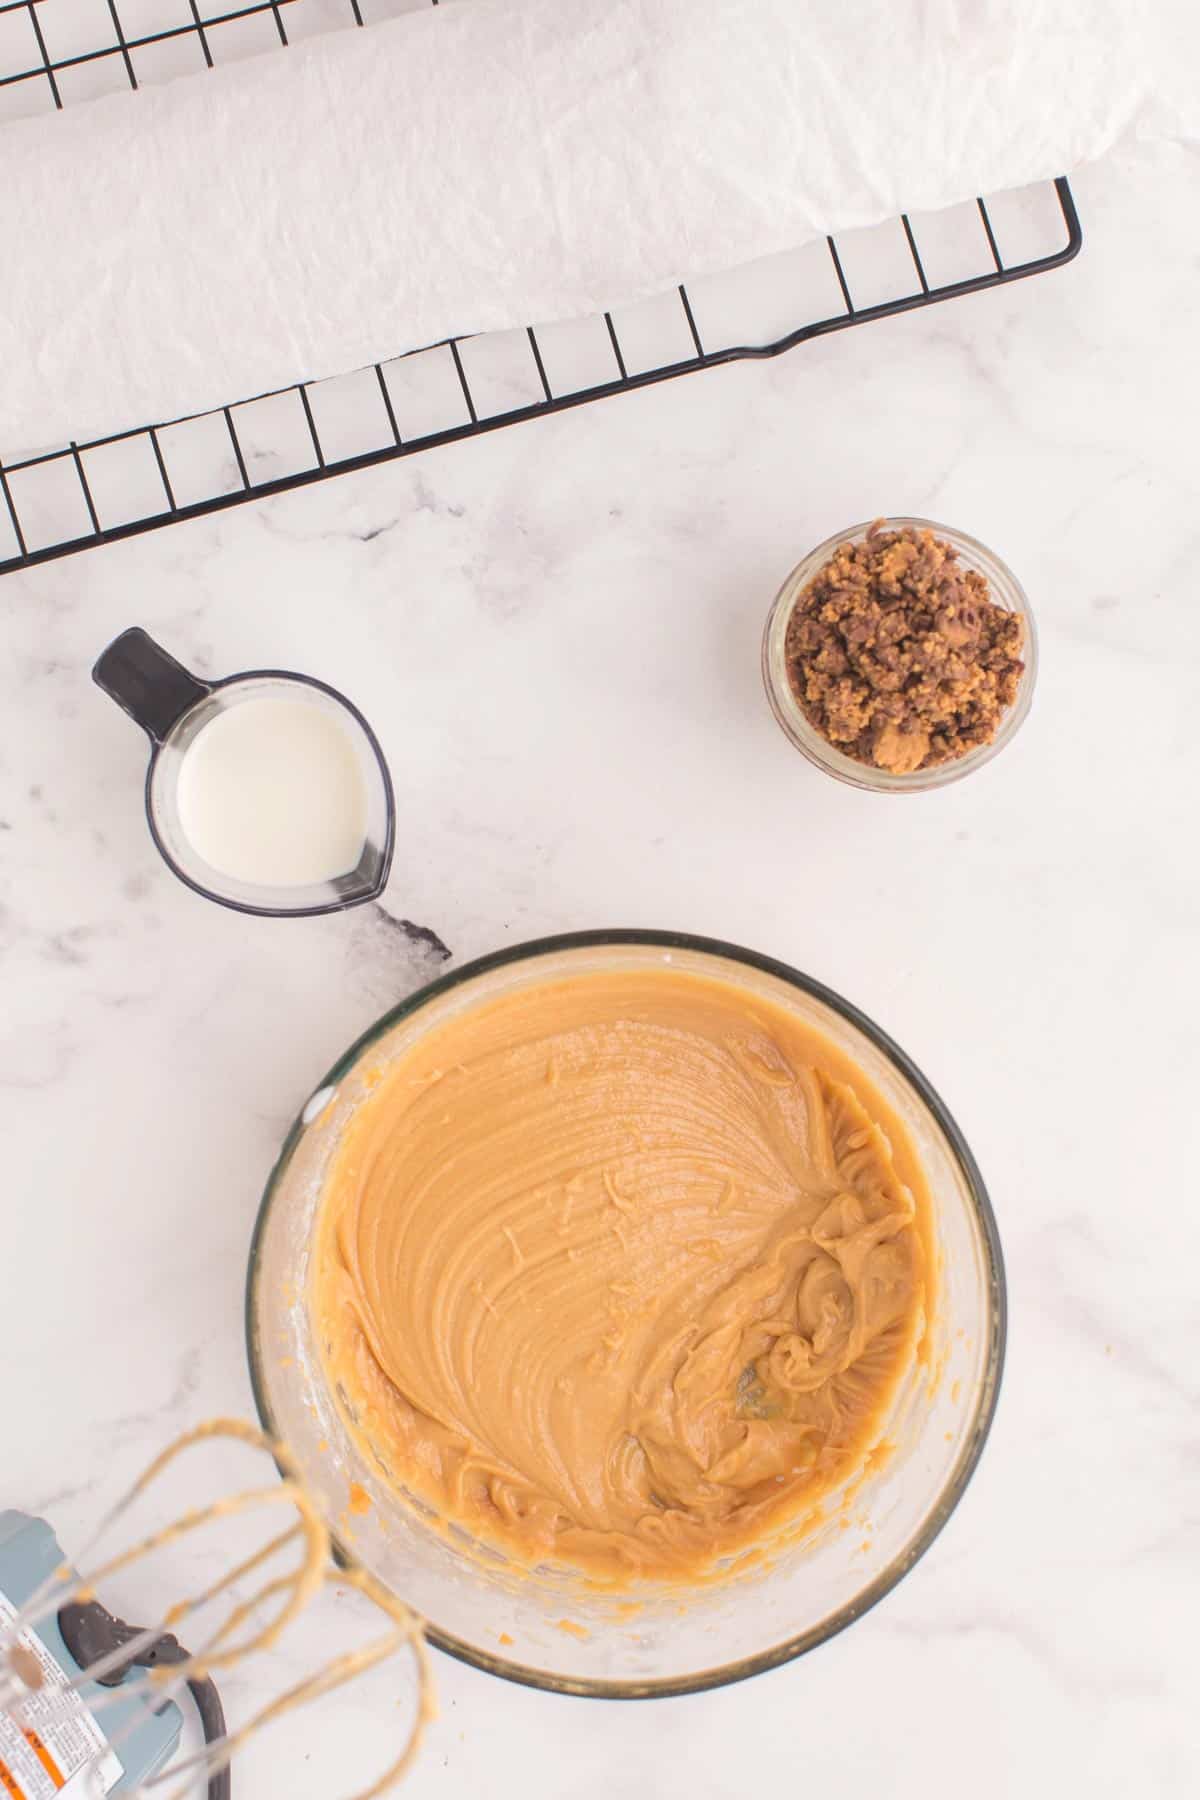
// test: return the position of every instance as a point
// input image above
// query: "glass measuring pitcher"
(194, 732)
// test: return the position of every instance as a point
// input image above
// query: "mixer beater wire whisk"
(116, 1676)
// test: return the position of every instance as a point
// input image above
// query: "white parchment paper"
(497, 162)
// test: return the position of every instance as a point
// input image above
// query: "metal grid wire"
(71, 497)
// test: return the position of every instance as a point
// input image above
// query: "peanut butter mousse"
(621, 1270)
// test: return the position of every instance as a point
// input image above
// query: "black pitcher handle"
(146, 683)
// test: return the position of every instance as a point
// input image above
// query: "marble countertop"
(555, 631)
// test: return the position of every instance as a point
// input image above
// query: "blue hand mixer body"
(45, 1762)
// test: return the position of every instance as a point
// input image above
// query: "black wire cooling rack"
(77, 495)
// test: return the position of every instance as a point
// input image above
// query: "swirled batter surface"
(620, 1269)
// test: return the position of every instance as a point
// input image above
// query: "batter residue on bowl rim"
(621, 1270)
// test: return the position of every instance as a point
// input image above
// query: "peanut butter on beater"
(621, 1270)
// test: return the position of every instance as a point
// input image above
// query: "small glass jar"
(1005, 590)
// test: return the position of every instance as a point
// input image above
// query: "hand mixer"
(86, 1705)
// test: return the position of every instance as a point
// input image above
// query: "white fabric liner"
(483, 165)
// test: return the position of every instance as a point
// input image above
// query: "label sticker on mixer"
(45, 1752)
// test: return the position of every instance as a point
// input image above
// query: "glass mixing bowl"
(541, 1627)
